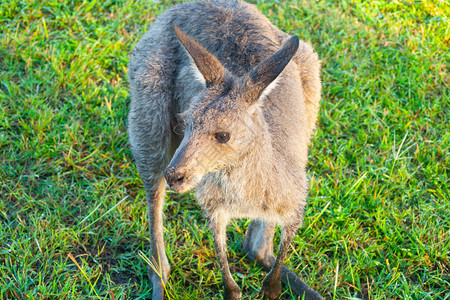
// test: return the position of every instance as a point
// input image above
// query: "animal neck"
(256, 172)
(260, 157)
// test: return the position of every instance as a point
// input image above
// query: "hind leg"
(159, 270)
(151, 164)
(258, 245)
(151, 169)
(151, 139)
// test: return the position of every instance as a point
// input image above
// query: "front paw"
(271, 288)
(232, 293)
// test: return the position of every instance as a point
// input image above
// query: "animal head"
(225, 120)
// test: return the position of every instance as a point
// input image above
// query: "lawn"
(73, 220)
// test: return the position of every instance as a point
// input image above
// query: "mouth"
(184, 184)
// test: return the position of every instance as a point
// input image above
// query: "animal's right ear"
(267, 71)
(209, 66)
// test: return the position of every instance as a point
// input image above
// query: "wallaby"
(225, 103)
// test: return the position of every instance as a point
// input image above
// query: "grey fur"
(260, 172)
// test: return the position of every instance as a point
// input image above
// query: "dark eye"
(222, 137)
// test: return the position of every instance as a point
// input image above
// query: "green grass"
(378, 221)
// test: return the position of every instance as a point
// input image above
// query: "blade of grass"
(84, 274)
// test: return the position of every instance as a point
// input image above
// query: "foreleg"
(218, 226)
(258, 245)
(271, 287)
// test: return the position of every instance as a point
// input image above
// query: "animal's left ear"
(207, 63)
(267, 71)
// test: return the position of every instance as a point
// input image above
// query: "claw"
(271, 287)
(269, 294)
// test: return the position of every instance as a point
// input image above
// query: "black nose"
(172, 176)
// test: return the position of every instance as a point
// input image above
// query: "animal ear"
(209, 66)
(267, 71)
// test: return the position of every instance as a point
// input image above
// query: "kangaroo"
(224, 103)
